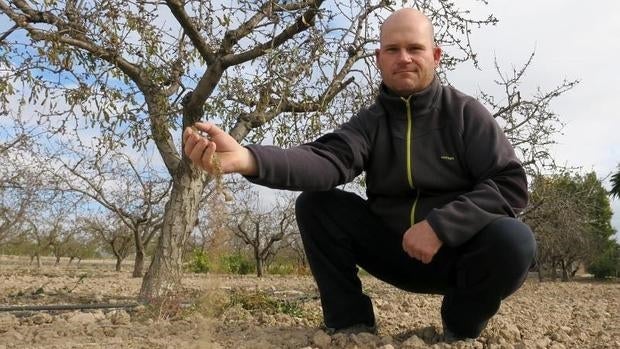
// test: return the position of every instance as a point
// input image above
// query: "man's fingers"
(209, 128)
(197, 151)
(190, 142)
(207, 156)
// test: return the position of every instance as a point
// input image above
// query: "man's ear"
(437, 55)
(377, 52)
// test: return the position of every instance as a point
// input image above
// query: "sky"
(573, 42)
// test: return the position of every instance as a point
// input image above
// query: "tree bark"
(138, 265)
(259, 263)
(564, 271)
(119, 261)
(165, 272)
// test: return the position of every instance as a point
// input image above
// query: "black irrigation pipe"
(52, 307)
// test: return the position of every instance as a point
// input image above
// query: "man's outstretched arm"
(232, 157)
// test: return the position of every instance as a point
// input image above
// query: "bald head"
(407, 55)
(407, 17)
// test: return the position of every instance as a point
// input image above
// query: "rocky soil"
(220, 311)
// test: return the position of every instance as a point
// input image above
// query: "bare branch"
(176, 7)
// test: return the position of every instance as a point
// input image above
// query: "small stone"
(414, 342)
(543, 343)
(557, 346)
(41, 318)
(510, 332)
(321, 339)
(387, 346)
(81, 318)
(428, 333)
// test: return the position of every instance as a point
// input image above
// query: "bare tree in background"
(134, 193)
(15, 196)
(287, 70)
(262, 230)
(529, 122)
(50, 216)
(114, 233)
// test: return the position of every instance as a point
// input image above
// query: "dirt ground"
(221, 311)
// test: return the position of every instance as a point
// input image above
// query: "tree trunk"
(119, 261)
(540, 272)
(57, 260)
(259, 263)
(164, 274)
(38, 260)
(138, 264)
(554, 270)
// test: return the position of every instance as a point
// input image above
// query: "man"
(443, 185)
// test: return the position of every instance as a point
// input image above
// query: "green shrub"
(237, 264)
(262, 302)
(282, 269)
(199, 262)
(606, 264)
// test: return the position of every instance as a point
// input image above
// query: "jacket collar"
(421, 102)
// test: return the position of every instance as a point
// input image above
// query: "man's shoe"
(353, 329)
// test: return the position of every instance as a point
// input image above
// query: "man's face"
(407, 57)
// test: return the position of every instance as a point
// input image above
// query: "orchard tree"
(133, 192)
(139, 72)
(114, 234)
(263, 230)
(570, 215)
(19, 180)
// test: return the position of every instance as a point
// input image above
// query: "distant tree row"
(78, 204)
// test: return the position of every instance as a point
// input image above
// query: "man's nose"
(403, 56)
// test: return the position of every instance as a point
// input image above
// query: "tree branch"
(302, 23)
(177, 9)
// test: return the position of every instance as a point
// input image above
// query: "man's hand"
(421, 242)
(232, 157)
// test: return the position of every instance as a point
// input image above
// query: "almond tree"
(115, 234)
(15, 198)
(133, 193)
(262, 230)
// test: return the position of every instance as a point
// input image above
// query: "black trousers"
(340, 232)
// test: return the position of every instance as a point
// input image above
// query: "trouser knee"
(512, 248)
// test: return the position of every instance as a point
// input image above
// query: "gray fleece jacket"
(438, 155)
